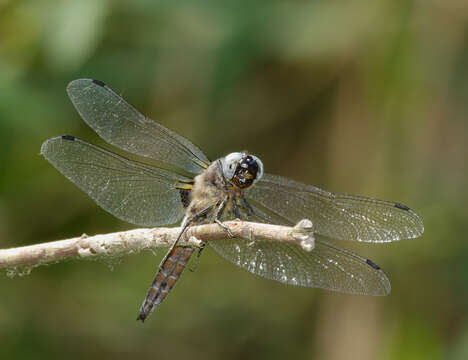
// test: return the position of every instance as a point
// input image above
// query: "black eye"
(250, 161)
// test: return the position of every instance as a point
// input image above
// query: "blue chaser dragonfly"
(230, 187)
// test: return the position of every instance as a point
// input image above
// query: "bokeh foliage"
(366, 97)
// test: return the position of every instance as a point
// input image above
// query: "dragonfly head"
(242, 169)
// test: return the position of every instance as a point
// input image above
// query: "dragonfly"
(174, 181)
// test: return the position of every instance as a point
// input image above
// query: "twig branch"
(132, 241)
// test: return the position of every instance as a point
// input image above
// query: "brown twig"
(132, 241)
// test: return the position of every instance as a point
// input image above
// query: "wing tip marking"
(372, 264)
(401, 207)
(46, 145)
(99, 82)
(68, 137)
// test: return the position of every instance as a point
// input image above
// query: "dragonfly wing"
(134, 192)
(123, 126)
(335, 215)
(327, 266)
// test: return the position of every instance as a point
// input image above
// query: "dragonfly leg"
(246, 206)
(251, 212)
(235, 209)
(220, 223)
(186, 223)
(219, 213)
(200, 249)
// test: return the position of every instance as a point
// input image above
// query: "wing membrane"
(327, 266)
(134, 192)
(335, 215)
(121, 125)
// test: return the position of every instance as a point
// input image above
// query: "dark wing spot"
(68, 137)
(401, 206)
(372, 264)
(99, 82)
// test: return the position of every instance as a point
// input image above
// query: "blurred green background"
(365, 97)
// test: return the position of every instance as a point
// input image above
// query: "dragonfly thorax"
(242, 169)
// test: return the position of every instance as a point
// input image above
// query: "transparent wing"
(121, 125)
(327, 266)
(134, 192)
(335, 215)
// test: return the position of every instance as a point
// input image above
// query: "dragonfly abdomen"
(168, 273)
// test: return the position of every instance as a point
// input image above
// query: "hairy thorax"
(210, 187)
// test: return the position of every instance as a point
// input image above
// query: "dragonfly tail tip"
(141, 317)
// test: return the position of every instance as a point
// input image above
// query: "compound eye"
(230, 163)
